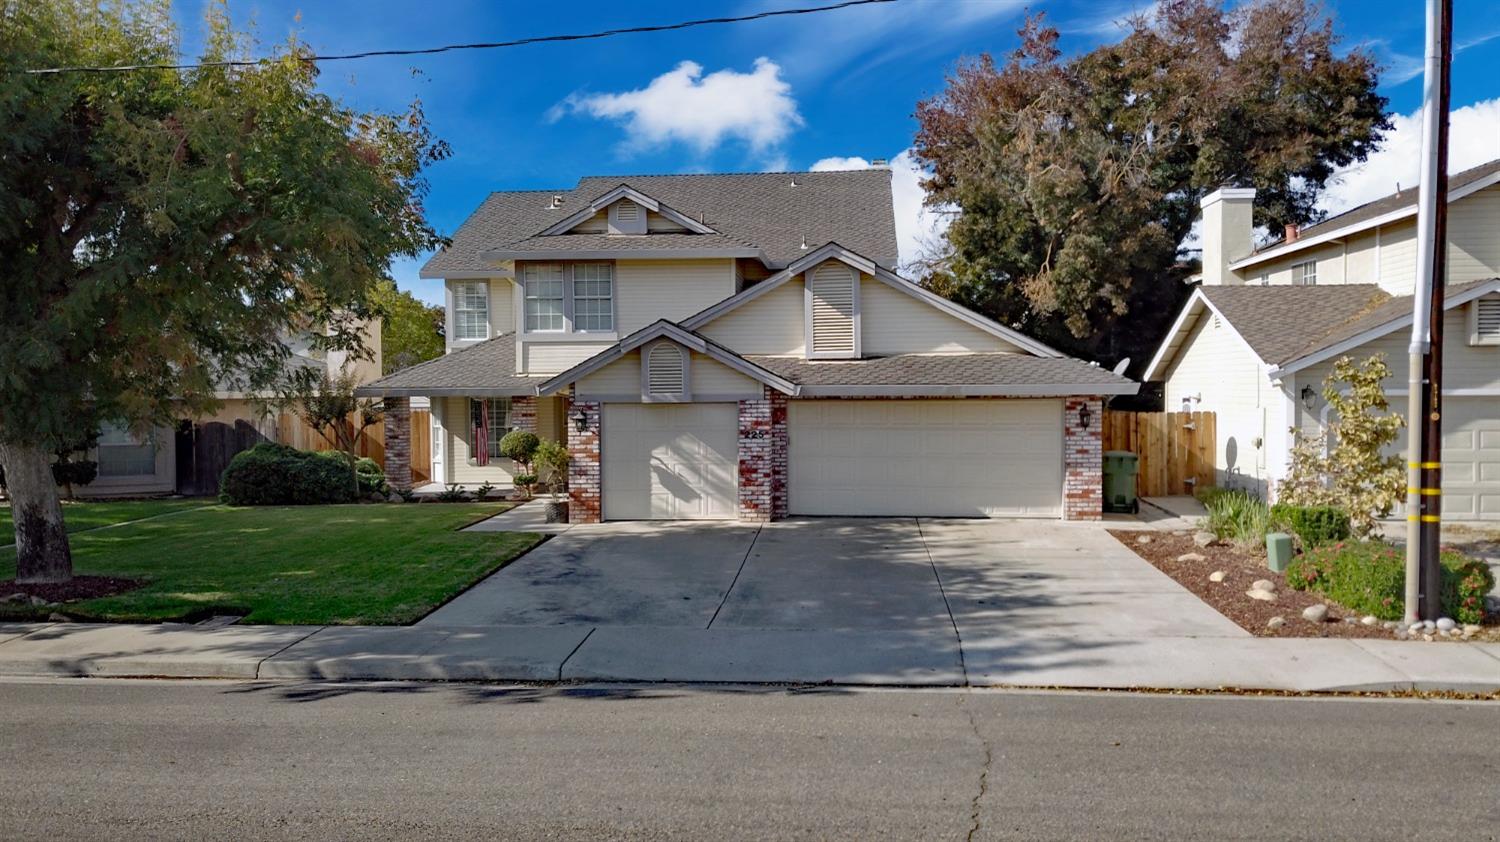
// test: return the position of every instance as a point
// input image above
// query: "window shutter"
(1487, 321)
(664, 370)
(832, 317)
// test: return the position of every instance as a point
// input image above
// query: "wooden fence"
(1176, 449)
(294, 431)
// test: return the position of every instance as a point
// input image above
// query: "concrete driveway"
(974, 580)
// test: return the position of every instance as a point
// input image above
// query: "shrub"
(1313, 525)
(1209, 494)
(371, 476)
(1370, 577)
(1240, 517)
(519, 446)
(484, 491)
(453, 493)
(552, 466)
(271, 474)
(71, 472)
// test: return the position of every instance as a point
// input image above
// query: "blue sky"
(775, 94)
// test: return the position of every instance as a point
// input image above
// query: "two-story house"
(1257, 339)
(739, 346)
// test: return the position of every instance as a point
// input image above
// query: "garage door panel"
(1471, 458)
(670, 462)
(936, 457)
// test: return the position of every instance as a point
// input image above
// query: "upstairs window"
(543, 285)
(1305, 274)
(471, 310)
(593, 297)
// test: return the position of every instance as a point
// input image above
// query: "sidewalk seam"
(963, 667)
(262, 661)
(732, 582)
(564, 661)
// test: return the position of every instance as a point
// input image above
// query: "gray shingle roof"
(760, 210)
(485, 369)
(1278, 321)
(1395, 201)
(994, 369)
(1286, 323)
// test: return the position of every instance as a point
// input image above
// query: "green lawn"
(355, 564)
(81, 515)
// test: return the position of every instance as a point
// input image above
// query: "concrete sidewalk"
(641, 653)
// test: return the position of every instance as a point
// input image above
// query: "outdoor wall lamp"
(581, 421)
(1309, 397)
(1084, 417)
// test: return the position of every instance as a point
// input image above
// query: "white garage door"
(670, 461)
(995, 458)
(1471, 459)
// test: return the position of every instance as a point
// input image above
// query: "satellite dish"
(1122, 365)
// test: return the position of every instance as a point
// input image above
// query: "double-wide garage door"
(994, 458)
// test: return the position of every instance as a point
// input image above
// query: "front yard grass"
(354, 564)
(81, 515)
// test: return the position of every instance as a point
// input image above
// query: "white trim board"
(1180, 325)
(624, 191)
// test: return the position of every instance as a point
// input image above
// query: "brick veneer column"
(584, 494)
(762, 457)
(523, 413)
(1083, 478)
(398, 442)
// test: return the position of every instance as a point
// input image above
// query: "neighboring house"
(188, 458)
(1257, 339)
(739, 346)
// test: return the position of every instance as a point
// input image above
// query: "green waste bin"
(1120, 468)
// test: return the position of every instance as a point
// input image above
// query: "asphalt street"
(99, 759)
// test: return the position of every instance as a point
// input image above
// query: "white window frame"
(113, 436)
(497, 431)
(1305, 273)
(571, 306)
(568, 274)
(460, 295)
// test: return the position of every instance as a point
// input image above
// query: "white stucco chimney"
(1228, 225)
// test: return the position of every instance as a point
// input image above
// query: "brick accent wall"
(1083, 467)
(398, 442)
(523, 413)
(762, 457)
(585, 496)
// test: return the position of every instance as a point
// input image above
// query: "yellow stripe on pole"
(1425, 518)
(1424, 465)
(1429, 492)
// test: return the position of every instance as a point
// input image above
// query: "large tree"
(164, 230)
(411, 330)
(1076, 179)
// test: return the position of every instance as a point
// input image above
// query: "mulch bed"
(1228, 597)
(80, 588)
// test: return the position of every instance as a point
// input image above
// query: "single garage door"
(670, 461)
(994, 458)
(1471, 459)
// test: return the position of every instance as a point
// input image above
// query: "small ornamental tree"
(327, 404)
(162, 230)
(1355, 473)
(520, 446)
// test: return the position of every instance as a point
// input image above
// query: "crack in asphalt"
(963, 667)
(736, 579)
(984, 769)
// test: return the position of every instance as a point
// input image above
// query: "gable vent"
(629, 211)
(832, 310)
(664, 369)
(1486, 322)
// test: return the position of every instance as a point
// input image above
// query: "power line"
(491, 45)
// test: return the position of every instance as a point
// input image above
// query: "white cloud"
(918, 227)
(1472, 140)
(685, 106)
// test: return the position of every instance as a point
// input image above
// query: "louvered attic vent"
(831, 294)
(1484, 322)
(627, 217)
(665, 371)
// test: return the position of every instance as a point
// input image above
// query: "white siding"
(1217, 366)
(621, 379)
(892, 322)
(1474, 237)
(1398, 258)
(502, 310)
(771, 324)
(648, 290)
(556, 357)
(711, 377)
(458, 434)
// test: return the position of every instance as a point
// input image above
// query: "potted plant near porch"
(551, 465)
(520, 446)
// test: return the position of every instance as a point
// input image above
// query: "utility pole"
(1424, 501)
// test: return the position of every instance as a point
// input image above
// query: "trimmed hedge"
(1370, 577)
(270, 474)
(1314, 525)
